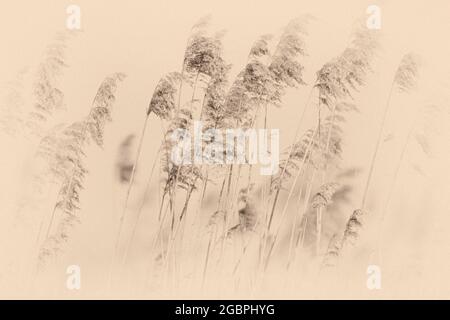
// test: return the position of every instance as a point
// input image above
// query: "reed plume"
(164, 102)
(66, 157)
(353, 228)
(13, 104)
(334, 85)
(163, 105)
(183, 174)
(267, 75)
(248, 210)
(264, 83)
(323, 197)
(48, 97)
(332, 254)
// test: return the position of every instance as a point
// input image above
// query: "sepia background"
(147, 39)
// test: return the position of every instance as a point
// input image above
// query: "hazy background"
(146, 39)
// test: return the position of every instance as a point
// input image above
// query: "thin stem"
(297, 130)
(283, 214)
(319, 210)
(133, 233)
(377, 146)
(391, 189)
(303, 219)
(130, 185)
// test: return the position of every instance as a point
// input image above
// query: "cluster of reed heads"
(220, 227)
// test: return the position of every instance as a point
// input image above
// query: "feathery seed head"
(406, 76)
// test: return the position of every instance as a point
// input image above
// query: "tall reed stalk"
(404, 81)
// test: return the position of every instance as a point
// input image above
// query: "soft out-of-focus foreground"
(92, 204)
